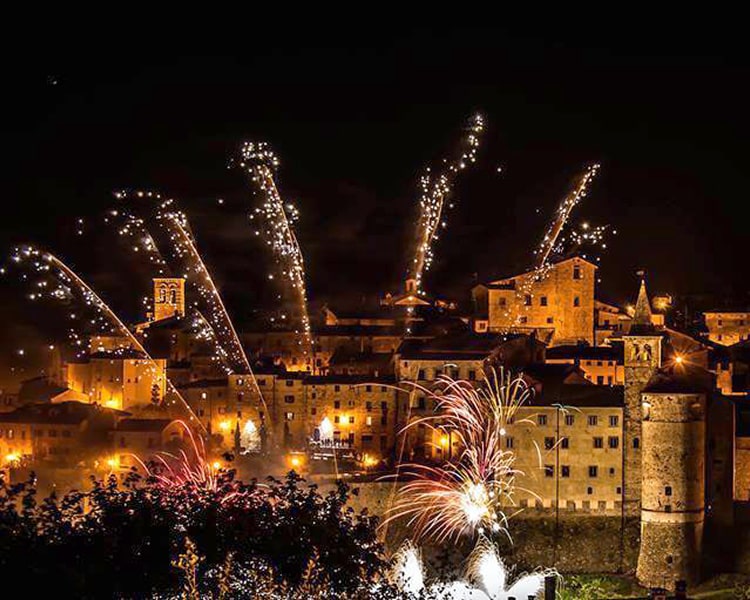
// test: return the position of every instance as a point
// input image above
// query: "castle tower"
(642, 358)
(673, 493)
(169, 297)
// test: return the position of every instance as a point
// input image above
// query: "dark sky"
(354, 114)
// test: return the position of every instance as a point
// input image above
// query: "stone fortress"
(639, 430)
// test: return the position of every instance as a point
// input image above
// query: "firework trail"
(47, 264)
(555, 240)
(549, 244)
(436, 187)
(185, 249)
(471, 493)
(183, 469)
(276, 226)
(142, 242)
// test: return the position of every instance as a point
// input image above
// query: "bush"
(122, 539)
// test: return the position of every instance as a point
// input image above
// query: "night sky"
(354, 117)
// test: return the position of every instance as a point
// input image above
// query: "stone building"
(727, 327)
(558, 306)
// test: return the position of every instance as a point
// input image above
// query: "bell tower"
(169, 297)
(643, 356)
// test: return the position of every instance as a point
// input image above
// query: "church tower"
(169, 297)
(643, 356)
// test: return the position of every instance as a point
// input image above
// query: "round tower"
(673, 482)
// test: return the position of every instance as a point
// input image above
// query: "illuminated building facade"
(558, 306)
(728, 327)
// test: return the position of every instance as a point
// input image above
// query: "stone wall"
(572, 542)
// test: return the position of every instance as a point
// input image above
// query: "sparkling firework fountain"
(275, 224)
(59, 282)
(486, 577)
(436, 187)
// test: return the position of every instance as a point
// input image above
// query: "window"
(122, 442)
(422, 403)
(618, 490)
(593, 420)
(668, 490)
(509, 442)
(569, 420)
(549, 443)
(600, 380)
(543, 301)
(384, 419)
(337, 404)
(289, 399)
(566, 470)
(611, 470)
(472, 375)
(523, 320)
(289, 416)
(368, 406)
(636, 443)
(609, 380)
(598, 442)
(382, 388)
(383, 405)
(421, 375)
(66, 433)
(527, 300)
(336, 419)
(576, 272)
(351, 403)
(336, 388)
(289, 383)
(593, 471)
(549, 471)
(613, 442)
(314, 395)
(576, 301)
(351, 420)
(541, 419)
(614, 421)
(313, 411)
(368, 420)
(52, 433)
(550, 320)
(565, 443)
(368, 388)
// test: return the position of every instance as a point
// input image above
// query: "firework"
(59, 282)
(185, 249)
(435, 188)
(469, 494)
(549, 244)
(140, 241)
(275, 221)
(184, 469)
(557, 239)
